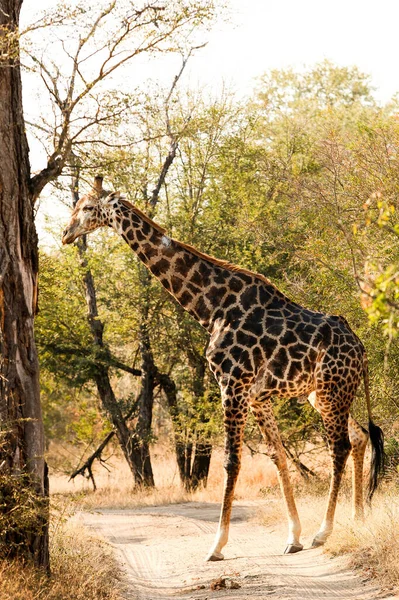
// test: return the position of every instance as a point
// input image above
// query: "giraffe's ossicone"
(261, 345)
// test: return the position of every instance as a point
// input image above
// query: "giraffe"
(261, 345)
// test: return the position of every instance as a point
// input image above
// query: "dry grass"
(371, 545)
(115, 488)
(82, 568)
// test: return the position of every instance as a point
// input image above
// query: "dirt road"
(162, 552)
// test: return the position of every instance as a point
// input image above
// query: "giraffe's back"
(271, 344)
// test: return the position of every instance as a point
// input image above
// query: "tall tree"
(22, 437)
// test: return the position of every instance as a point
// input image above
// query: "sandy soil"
(162, 551)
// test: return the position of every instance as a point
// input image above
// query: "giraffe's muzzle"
(70, 234)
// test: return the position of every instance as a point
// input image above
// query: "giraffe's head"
(89, 213)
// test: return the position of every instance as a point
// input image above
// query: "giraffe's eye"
(87, 208)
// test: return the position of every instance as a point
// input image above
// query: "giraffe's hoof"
(214, 556)
(317, 543)
(293, 548)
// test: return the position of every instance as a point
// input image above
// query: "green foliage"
(62, 330)
(68, 359)
(323, 87)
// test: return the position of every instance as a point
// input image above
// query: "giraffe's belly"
(268, 382)
(261, 377)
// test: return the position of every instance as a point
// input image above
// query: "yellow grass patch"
(82, 568)
(115, 488)
(372, 545)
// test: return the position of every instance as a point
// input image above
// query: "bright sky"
(267, 34)
(280, 33)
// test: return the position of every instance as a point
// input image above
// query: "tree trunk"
(87, 467)
(102, 379)
(170, 390)
(201, 464)
(22, 437)
(145, 407)
(193, 472)
(148, 380)
(203, 449)
(117, 419)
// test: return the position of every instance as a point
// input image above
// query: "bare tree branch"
(174, 138)
(149, 30)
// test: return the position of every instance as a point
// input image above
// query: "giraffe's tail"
(376, 434)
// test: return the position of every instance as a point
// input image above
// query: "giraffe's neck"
(206, 290)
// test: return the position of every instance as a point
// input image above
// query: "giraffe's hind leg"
(263, 413)
(339, 445)
(358, 439)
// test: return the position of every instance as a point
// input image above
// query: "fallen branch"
(96, 455)
(87, 466)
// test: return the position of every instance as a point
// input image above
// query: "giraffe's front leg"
(234, 423)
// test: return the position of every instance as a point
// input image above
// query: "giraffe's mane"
(211, 259)
(142, 215)
(225, 264)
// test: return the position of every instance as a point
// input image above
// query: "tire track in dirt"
(162, 550)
